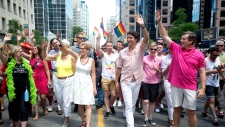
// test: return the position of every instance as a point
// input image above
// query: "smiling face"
(109, 47)
(80, 38)
(35, 50)
(152, 49)
(187, 39)
(18, 53)
(131, 40)
(54, 44)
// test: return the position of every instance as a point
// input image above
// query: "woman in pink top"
(150, 85)
(41, 77)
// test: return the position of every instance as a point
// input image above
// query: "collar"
(127, 49)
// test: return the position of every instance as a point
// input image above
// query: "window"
(14, 8)
(131, 27)
(31, 4)
(32, 18)
(131, 12)
(24, 14)
(3, 23)
(222, 23)
(131, 20)
(222, 14)
(165, 12)
(2, 3)
(132, 2)
(165, 3)
(20, 14)
(8, 5)
(164, 20)
(223, 4)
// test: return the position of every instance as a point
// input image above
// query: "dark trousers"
(99, 91)
(218, 100)
(18, 108)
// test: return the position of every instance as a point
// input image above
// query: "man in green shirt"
(218, 103)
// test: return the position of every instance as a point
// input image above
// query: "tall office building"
(84, 16)
(61, 18)
(15, 9)
(41, 16)
(125, 12)
(110, 25)
(212, 14)
(76, 13)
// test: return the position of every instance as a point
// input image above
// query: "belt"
(64, 77)
(53, 70)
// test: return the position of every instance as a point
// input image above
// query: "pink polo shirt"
(131, 64)
(184, 66)
(151, 76)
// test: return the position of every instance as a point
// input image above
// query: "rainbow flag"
(95, 31)
(101, 24)
(119, 29)
(105, 34)
(85, 36)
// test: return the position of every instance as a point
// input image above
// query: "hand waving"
(57, 35)
(99, 36)
(8, 37)
(158, 16)
(139, 20)
(19, 37)
(32, 35)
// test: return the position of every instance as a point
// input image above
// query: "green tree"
(76, 30)
(180, 25)
(37, 36)
(15, 29)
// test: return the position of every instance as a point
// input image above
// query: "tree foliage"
(76, 30)
(180, 25)
(15, 29)
(37, 36)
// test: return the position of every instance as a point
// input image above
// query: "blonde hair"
(13, 49)
(87, 45)
(153, 44)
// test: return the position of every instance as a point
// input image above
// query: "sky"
(99, 9)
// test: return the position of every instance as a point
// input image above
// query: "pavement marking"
(100, 118)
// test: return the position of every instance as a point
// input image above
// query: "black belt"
(64, 77)
(53, 70)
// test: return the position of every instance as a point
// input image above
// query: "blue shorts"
(211, 91)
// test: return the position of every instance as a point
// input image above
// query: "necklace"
(84, 63)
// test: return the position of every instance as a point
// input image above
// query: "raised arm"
(19, 37)
(100, 53)
(32, 39)
(3, 58)
(162, 30)
(44, 53)
(72, 53)
(140, 21)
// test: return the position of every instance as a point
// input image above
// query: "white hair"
(220, 41)
(66, 42)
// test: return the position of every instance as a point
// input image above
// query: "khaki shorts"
(183, 97)
(108, 84)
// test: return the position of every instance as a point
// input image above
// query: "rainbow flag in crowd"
(125, 41)
(85, 36)
(119, 29)
(105, 34)
(95, 31)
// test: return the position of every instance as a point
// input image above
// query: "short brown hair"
(191, 36)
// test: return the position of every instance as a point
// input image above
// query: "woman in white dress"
(84, 88)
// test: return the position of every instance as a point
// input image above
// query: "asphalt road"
(55, 120)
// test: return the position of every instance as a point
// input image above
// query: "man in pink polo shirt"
(129, 65)
(186, 61)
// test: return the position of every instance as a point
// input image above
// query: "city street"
(55, 120)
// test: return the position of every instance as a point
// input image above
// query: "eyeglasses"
(80, 38)
(219, 45)
(154, 49)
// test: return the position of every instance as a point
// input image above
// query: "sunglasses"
(80, 38)
(219, 45)
(154, 49)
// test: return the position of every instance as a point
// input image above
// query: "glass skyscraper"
(61, 18)
(41, 16)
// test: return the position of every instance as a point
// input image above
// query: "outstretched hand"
(32, 35)
(139, 20)
(158, 16)
(8, 37)
(57, 35)
(99, 36)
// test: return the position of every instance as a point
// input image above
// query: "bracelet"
(203, 87)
